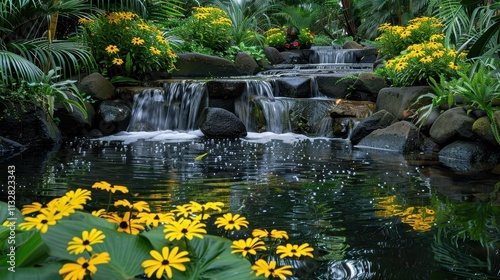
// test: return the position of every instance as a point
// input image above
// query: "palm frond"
(16, 67)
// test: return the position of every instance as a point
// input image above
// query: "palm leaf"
(16, 67)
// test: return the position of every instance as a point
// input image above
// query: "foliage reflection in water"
(369, 214)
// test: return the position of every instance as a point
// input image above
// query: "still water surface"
(369, 214)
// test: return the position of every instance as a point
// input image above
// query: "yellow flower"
(294, 250)
(384, 26)
(249, 246)
(112, 49)
(154, 219)
(401, 66)
(83, 20)
(41, 222)
(78, 245)
(98, 213)
(31, 208)
(426, 59)
(438, 54)
(184, 228)
(277, 234)
(453, 66)
(214, 206)
(270, 269)
(137, 41)
(126, 224)
(436, 37)
(155, 50)
(103, 185)
(187, 209)
(143, 26)
(230, 222)
(161, 39)
(77, 271)
(139, 206)
(405, 34)
(165, 262)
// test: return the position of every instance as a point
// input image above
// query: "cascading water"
(177, 107)
(331, 54)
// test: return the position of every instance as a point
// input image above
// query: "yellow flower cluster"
(212, 15)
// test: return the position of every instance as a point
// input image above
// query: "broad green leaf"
(49, 271)
(29, 252)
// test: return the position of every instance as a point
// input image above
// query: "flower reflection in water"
(420, 218)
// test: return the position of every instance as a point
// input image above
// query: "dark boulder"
(220, 123)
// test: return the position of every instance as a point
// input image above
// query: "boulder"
(293, 57)
(220, 123)
(334, 85)
(452, 125)
(73, 122)
(202, 65)
(397, 100)
(97, 87)
(246, 64)
(379, 120)
(469, 155)
(482, 128)
(296, 87)
(352, 108)
(352, 45)
(29, 125)
(367, 86)
(115, 114)
(9, 148)
(273, 55)
(402, 137)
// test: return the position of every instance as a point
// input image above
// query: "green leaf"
(479, 46)
(29, 252)
(200, 157)
(49, 271)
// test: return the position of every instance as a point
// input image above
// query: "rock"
(482, 128)
(115, 115)
(469, 156)
(451, 125)
(352, 108)
(9, 148)
(225, 89)
(367, 87)
(29, 125)
(245, 64)
(293, 57)
(296, 87)
(202, 65)
(74, 122)
(273, 55)
(220, 123)
(396, 100)
(97, 87)
(334, 85)
(378, 120)
(400, 137)
(352, 45)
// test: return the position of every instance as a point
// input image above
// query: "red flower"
(295, 44)
(287, 45)
(312, 34)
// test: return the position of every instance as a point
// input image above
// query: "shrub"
(289, 38)
(421, 61)
(206, 28)
(395, 39)
(125, 44)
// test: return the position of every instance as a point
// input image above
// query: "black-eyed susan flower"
(137, 41)
(188, 209)
(139, 206)
(117, 61)
(77, 245)
(184, 228)
(165, 261)
(112, 49)
(230, 222)
(126, 224)
(154, 219)
(98, 213)
(214, 206)
(276, 234)
(103, 185)
(78, 270)
(248, 246)
(31, 208)
(41, 222)
(293, 250)
(270, 269)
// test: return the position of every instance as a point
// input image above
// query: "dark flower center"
(184, 231)
(294, 251)
(165, 262)
(44, 221)
(231, 222)
(86, 242)
(123, 225)
(271, 270)
(85, 265)
(246, 248)
(156, 217)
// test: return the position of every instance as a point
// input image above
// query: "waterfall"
(177, 107)
(258, 108)
(330, 54)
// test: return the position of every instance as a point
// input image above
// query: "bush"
(207, 28)
(289, 38)
(125, 44)
(395, 39)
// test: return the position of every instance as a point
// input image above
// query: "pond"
(369, 214)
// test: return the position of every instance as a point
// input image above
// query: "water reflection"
(370, 215)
